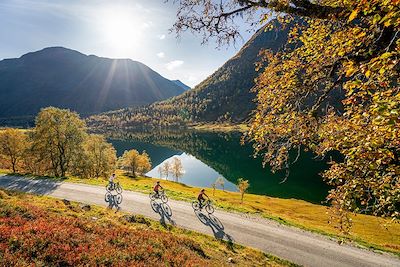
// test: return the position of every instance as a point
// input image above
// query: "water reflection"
(207, 156)
(196, 173)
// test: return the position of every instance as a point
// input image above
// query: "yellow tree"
(144, 163)
(242, 186)
(58, 137)
(166, 169)
(177, 168)
(135, 162)
(13, 143)
(334, 87)
(100, 156)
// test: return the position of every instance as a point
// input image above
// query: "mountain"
(65, 78)
(181, 84)
(223, 96)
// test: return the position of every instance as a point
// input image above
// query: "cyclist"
(201, 198)
(157, 188)
(111, 180)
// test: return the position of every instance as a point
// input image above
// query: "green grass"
(27, 209)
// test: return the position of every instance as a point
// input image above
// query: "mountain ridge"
(181, 84)
(88, 84)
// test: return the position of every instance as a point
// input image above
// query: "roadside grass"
(43, 231)
(367, 231)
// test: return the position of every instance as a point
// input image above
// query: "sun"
(121, 30)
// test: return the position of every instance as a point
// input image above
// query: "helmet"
(158, 182)
(202, 190)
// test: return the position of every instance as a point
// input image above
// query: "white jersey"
(111, 179)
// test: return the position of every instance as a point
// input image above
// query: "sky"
(135, 29)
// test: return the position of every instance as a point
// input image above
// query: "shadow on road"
(29, 185)
(113, 200)
(216, 226)
(165, 212)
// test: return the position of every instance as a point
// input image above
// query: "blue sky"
(136, 29)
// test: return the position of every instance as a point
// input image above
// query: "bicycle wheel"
(209, 208)
(118, 188)
(195, 205)
(164, 198)
(118, 199)
(108, 187)
(152, 196)
(154, 205)
(108, 197)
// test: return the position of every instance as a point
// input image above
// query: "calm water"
(207, 156)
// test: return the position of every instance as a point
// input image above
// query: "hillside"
(43, 231)
(65, 78)
(223, 96)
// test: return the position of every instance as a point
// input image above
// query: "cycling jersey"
(157, 187)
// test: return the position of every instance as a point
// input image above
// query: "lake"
(207, 156)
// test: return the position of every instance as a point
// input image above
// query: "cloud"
(161, 36)
(146, 25)
(161, 55)
(192, 78)
(174, 64)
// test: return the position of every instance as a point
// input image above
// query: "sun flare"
(121, 30)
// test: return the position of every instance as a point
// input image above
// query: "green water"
(207, 156)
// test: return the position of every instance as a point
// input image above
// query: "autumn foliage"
(58, 145)
(333, 88)
(27, 237)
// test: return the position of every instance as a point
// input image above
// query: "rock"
(94, 218)
(85, 207)
(66, 202)
(129, 218)
(231, 260)
(136, 219)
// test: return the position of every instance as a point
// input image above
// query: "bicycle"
(114, 186)
(161, 195)
(207, 206)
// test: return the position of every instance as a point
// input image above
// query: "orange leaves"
(353, 15)
(30, 234)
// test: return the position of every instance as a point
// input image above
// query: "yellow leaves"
(386, 55)
(353, 15)
(350, 68)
